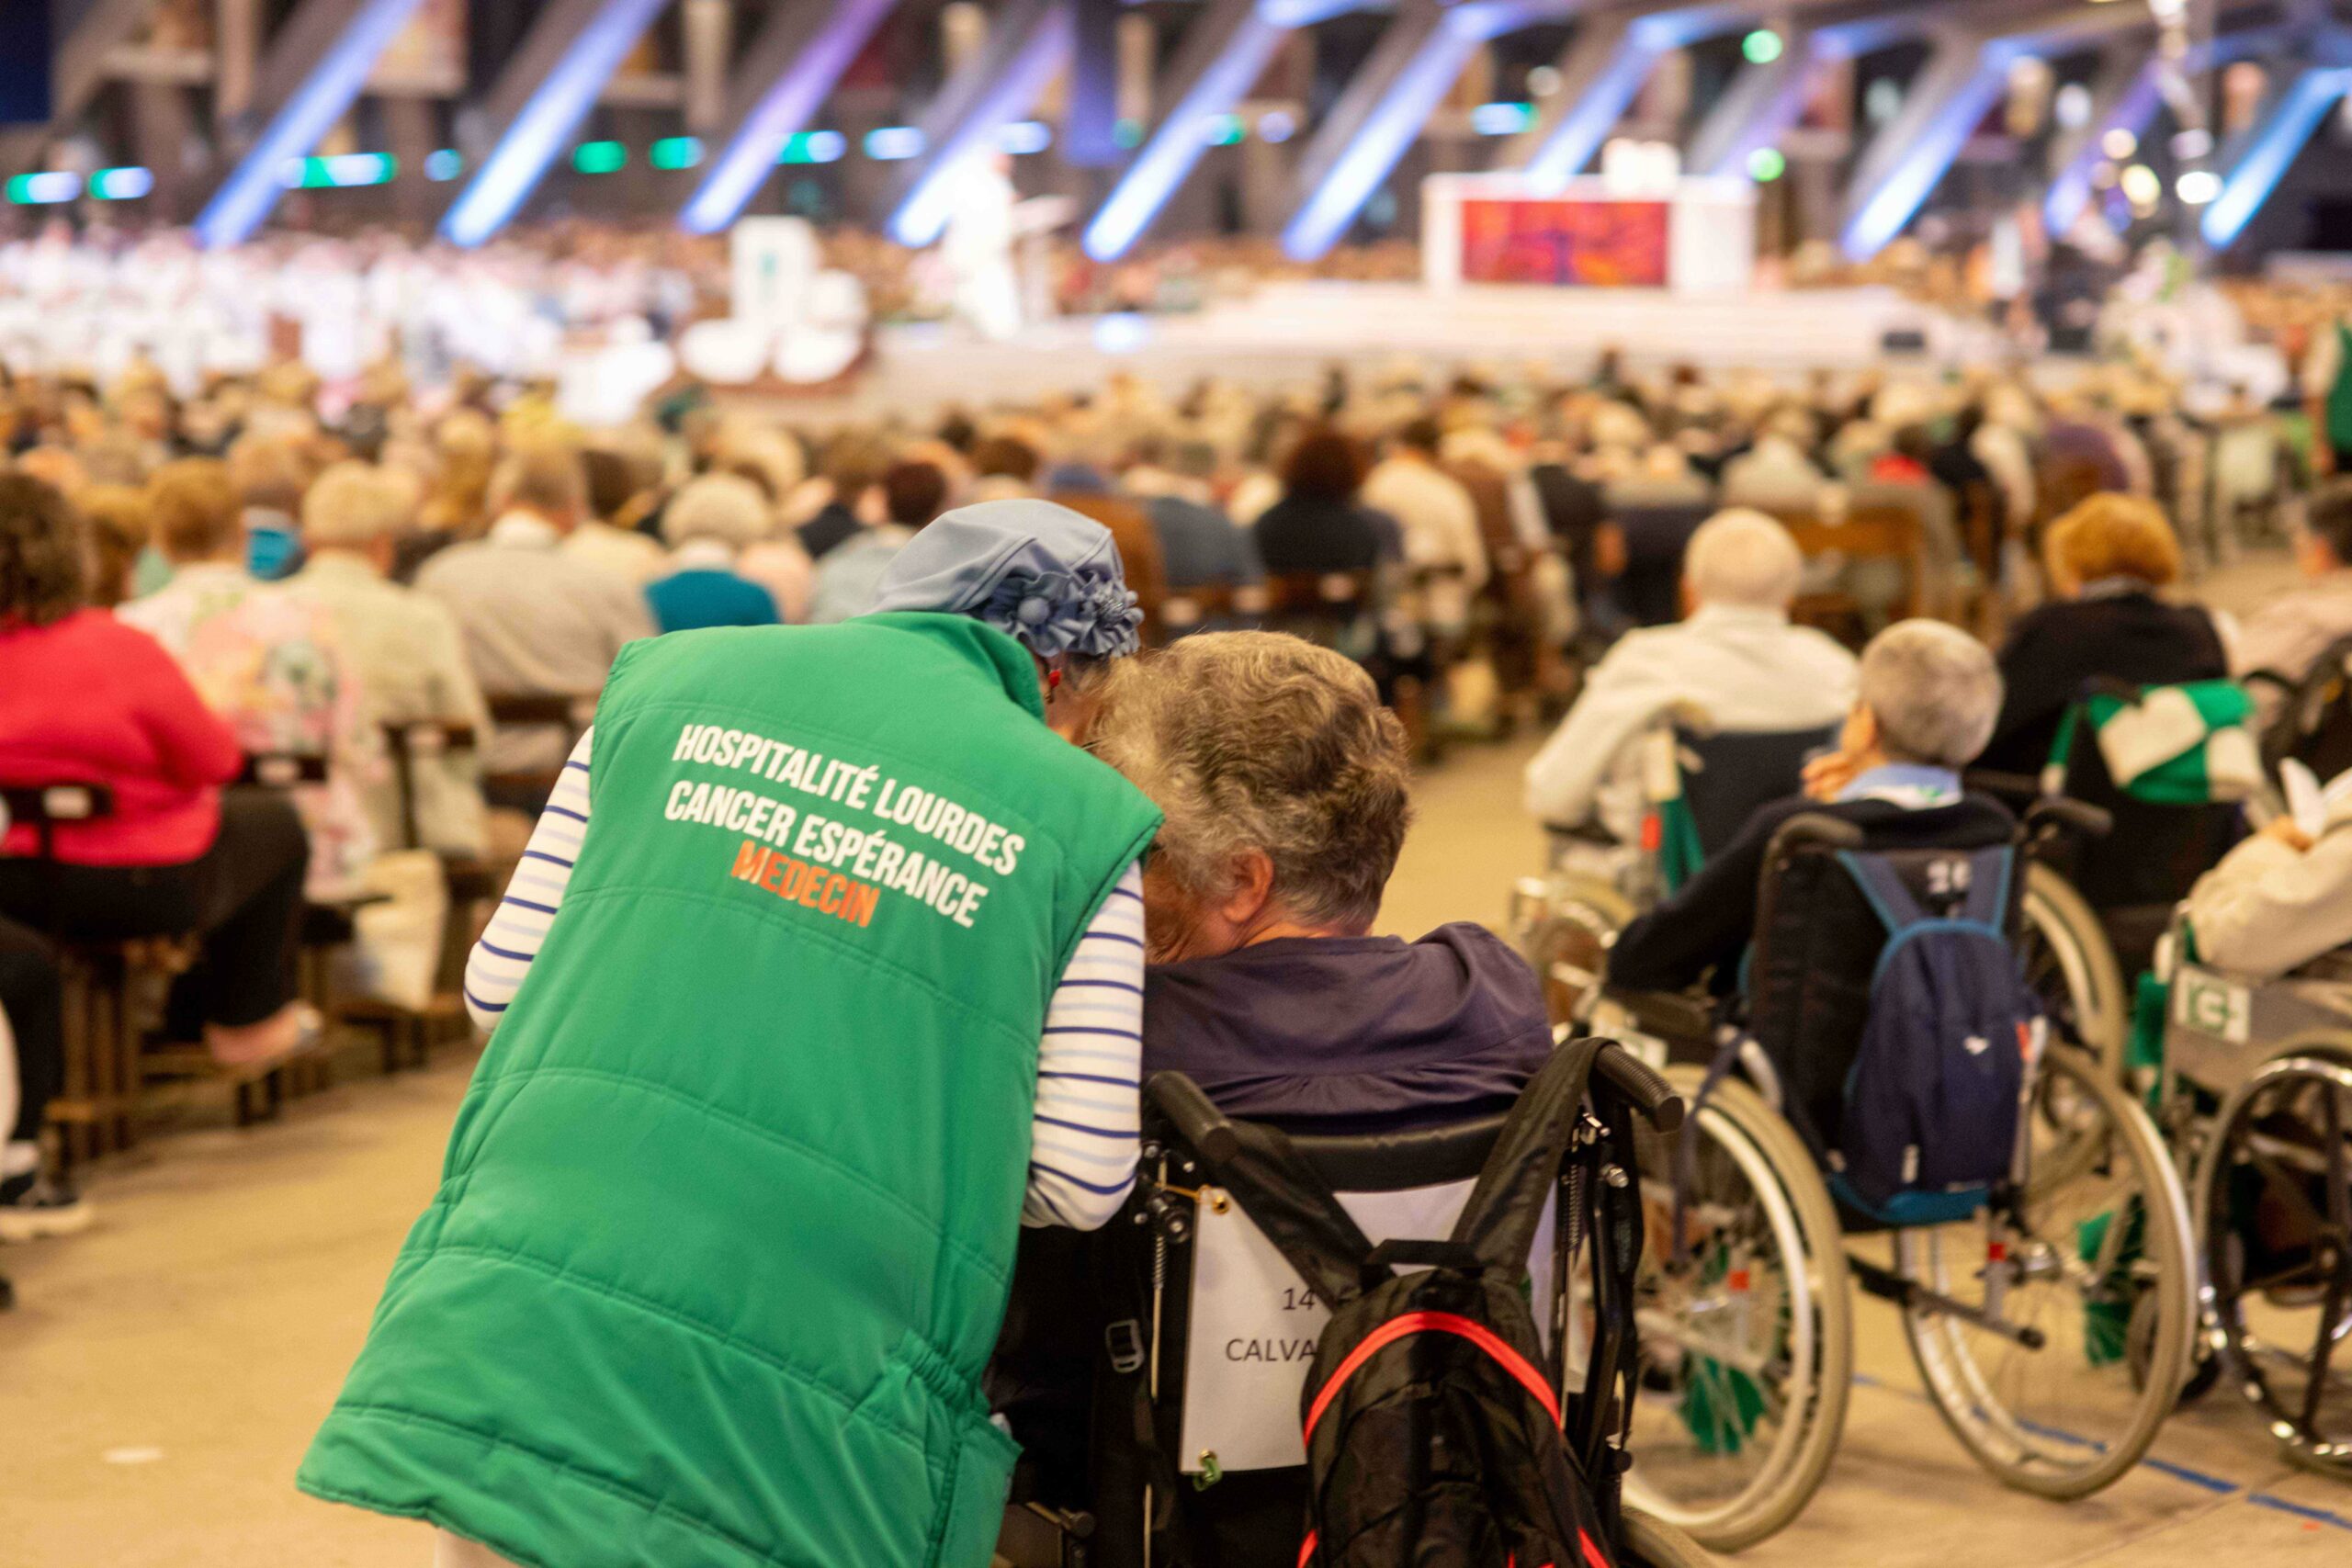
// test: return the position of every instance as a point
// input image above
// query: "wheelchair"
(1701, 786)
(2255, 1090)
(1196, 1456)
(2017, 1301)
(2311, 716)
(1704, 788)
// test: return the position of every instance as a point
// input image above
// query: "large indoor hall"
(175, 1363)
(1175, 784)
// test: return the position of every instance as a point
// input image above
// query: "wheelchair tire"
(2260, 1166)
(1569, 948)
(1757, 1185)
(2071, 967)
(2070, 1260)
(1654, 1543)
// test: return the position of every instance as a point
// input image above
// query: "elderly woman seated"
(1928, 698)
(1285, 783)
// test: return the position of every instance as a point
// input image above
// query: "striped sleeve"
(495, 972)
(1084, 1135)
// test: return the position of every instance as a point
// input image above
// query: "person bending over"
(1929, 695)
(819, 979)
(1284, 785)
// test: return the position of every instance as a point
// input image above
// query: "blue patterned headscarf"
(1042, 573)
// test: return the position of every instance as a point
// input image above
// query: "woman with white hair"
(708, 525)
(1925, 705)
(1735, 664)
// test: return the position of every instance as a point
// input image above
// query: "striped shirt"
(1085, 1130)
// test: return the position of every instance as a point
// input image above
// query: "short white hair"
(1741, 557)
(1933, 690)
(717, 506)
(356, 503)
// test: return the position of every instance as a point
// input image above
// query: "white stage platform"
(1290, 331)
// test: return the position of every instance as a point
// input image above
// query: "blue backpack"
(1933, 1094)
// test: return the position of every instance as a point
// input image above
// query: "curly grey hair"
(1254, 741)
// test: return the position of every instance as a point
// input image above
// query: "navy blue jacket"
(1352, 1034)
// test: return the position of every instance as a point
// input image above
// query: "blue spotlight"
(1365, 161)
(783, 112)
(1153, 175)
(2280, 136)
(245, 198)
(544, 126)
(1950, 102)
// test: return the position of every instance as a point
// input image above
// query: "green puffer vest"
(724, 1233)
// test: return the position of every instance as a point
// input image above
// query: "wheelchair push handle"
(1631, 1077)
(1813, 830)
(1189, 1111)
(2055, 814)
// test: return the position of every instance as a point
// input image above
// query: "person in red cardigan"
(86, 699)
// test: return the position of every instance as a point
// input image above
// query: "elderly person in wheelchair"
(1928, 694)
(2254, 1086)
(1285, 787)
(1734, 664)
(2040, 1249)
(1680, 733)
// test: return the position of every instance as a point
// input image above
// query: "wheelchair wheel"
(2020, 1319)
(2071, 966)
(1747, 1340)
(1654, 1543)
(1568, 949)
(2275, 1221)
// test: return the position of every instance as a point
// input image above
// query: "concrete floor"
(163, 1373)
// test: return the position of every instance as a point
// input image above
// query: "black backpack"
(1932, 1100)
(1433, 1433)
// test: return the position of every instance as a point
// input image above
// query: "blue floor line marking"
(2194, 1477)
(2199, 1478)
(2299, 1510)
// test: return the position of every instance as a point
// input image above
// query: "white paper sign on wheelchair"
(1254, 1324)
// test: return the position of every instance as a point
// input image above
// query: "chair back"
(1650, 588)
(2312, 721)
(510, 711)
(1252, 1325)
(1321, 606)
(44, 807)
(1192, 609)
(1725, 775)
(282, 770)
(409, 744)
(2061, 485)
(1891, 537)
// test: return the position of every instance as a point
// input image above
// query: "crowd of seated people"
(456, 553)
